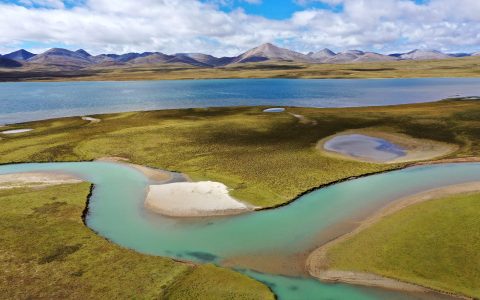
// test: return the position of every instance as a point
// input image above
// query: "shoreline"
(317, 262)
(183, 198)
(99, 115)
(157, 175)
(36, 179)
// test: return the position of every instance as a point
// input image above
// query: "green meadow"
(266, 159)
(435, 244)
(46, 252)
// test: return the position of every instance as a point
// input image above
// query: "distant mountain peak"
(83, 52)
(19, 55)
(64, 59)
(420, 54)
(356, 52)
(322, 55)
(268, 51)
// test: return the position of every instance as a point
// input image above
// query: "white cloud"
(189, 25)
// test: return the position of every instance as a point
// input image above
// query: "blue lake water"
(28, 101)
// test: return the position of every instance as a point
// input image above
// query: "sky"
(230, 27)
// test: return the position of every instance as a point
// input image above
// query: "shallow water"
(274, 110)
(27, 101)
(364, 147)
(116, 212)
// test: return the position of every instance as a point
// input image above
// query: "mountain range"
(64, 59)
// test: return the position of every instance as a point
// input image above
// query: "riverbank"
(180, 197)
(319, 263)
(47, 252)
(36, 180)
(154, 174)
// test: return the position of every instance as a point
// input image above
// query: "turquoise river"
(286, 233)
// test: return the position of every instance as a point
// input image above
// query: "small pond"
(365, 147)
(274, 110)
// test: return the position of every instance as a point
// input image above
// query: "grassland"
(46, 252)
(266, 159)
(434, 244)
(455, 67)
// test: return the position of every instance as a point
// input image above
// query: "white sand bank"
(35, 179)
(193, 199)
(92, 120)
(13, 131)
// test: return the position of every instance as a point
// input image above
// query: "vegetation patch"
(265, 159)
(433, 244)
(46, 252)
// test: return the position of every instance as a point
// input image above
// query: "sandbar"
(193, 199)
(13, 131)
(92, 120)
(35, 179)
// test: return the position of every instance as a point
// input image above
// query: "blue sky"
(276, 9)
(229, 27)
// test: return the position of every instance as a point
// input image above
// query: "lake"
(28, 101)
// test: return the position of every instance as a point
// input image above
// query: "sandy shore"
(303, 119)
(416, 149)
(318, 264)
(35, 179)
(184, 198)
(152, 173)
(193, 199)
(91, 120)
(14, 131)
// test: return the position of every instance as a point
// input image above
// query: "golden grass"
(435, 244)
